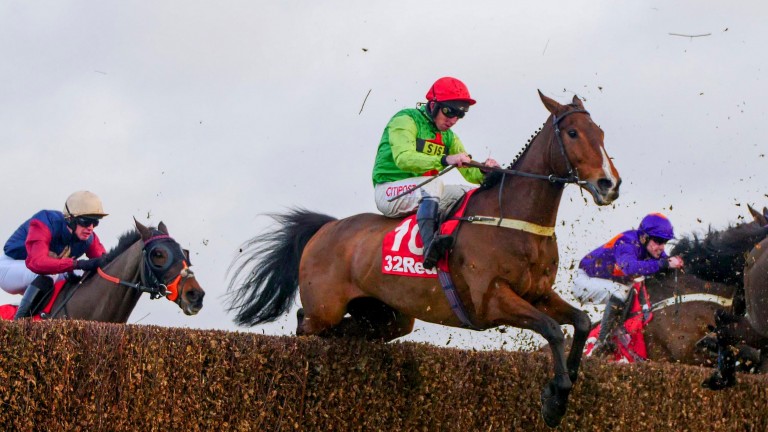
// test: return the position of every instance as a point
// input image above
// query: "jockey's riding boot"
(434, 245)
(614, 309)
(36, 293)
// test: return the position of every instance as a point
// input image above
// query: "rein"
(572, 175)
(521, 225)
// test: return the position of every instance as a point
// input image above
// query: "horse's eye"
(572, 133)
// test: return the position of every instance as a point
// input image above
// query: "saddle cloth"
(403, 250)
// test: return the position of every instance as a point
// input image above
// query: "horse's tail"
(271, 261)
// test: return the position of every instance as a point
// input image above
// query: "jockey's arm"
(626, 258)
(95, 249)
(472, 175)
(38, 247)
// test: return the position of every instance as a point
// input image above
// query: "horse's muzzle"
(192, 302)
(604, 191)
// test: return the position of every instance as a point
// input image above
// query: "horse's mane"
(125, 241)
(720, 256)
(669, 283)
(494, 177)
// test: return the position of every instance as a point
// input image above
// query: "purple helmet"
(657, 225)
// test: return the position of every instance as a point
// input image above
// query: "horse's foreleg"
(725, 374)
(565, 313)
(510, 309)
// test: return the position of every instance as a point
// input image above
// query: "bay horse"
(685, 302)
(144, 260)
(503, 276)
(683, 308)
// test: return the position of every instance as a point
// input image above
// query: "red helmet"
(449, 89)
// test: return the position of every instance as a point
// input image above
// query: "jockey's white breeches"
(592, 290)
(15, 277)
(408, 203)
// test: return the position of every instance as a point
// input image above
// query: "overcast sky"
(206, 115)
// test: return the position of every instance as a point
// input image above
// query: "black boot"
(725, 374)
(434, 245)
(35, 295)
(612, 318)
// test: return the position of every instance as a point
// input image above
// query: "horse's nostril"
(195, 296)
(604, 184)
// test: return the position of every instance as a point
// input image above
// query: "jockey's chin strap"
(152, 274)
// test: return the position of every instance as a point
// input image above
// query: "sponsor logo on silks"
(397, 190)
(403, 251)
(432, 147)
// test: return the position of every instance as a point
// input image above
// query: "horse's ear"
(161, 226)
(144, 231)
(552, 105)
(577, 102)
(760, 218)
(186, 255)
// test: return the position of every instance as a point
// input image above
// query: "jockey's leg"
(36, 293)
(614, 311)
(592, 290)
(434, 245)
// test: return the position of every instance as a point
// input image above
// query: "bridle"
(573, 176)
(152, 277)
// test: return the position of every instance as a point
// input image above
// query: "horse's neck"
(101, 300)
(667, 285)
(530, 199)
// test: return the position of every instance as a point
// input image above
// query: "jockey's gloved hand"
(72, 278)
(88, 264)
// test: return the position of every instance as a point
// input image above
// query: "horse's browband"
(528, 227)
(685, 298)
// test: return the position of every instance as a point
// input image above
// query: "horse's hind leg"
(378, 321)
(565, 313)
(320, 319)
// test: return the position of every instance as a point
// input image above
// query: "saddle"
(8, 311)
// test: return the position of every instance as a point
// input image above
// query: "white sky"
(206, 115)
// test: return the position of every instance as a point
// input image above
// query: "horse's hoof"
(718, 382)
(552, 407)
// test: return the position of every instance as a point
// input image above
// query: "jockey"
(416, 144)
(605, 275)
(47, 245)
